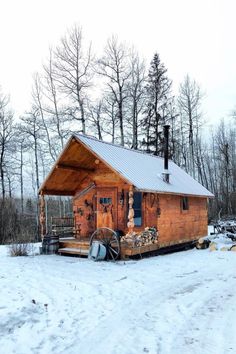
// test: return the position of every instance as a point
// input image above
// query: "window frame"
(184, 202)
(141, 208)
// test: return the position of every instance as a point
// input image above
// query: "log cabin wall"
(84, 213)
(78, 168)
(176, 225)
(86, 207)
(161, 210)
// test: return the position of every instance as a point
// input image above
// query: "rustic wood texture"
(83, 243)
(132, 251)
(176, 225)
(74, 251)
(150, 206)
(107, 211)
(81, 247)
(84, 208)
(131, 211)
(75, 164)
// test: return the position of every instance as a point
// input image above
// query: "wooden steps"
(73, 246)
(75, 251)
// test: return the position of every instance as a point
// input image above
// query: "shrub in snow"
(19, 249)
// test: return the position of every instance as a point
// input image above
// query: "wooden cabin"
(125, 190)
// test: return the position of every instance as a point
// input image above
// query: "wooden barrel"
(50, 244)
(53, 244)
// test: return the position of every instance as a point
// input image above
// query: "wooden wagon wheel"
(109, 239)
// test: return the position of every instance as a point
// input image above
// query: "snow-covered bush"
(19, 249)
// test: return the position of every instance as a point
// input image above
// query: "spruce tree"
(156, 110)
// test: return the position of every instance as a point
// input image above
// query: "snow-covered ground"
(179, 303)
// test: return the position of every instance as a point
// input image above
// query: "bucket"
(97, 251)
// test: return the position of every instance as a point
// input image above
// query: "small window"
(105, 201)
(137, 206)
(184, 203)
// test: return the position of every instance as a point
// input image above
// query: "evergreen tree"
(156, 110)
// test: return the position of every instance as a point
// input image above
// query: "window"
(137, 206)
(105, 201)
(184, 203)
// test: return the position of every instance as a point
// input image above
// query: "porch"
(80, 247)
(72, 242)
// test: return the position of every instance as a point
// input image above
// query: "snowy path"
(178, 303)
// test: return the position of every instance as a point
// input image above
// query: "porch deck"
(80, 247)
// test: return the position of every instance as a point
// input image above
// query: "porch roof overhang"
(73, 165)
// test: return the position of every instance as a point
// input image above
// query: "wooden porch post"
(130, 223)
(42, 216)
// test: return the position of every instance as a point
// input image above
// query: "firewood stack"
(138, 239)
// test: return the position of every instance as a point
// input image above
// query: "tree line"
(115, 97)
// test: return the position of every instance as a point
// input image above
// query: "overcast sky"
(191, 36)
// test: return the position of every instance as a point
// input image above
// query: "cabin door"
(107, 208)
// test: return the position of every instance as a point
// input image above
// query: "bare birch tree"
(189, 100)
(30, 126)
(73, 72)
(6, 134)
(111, 113)
(37, 95)
(136, 96)
(53, 108)
(96, 117)
(113, 66)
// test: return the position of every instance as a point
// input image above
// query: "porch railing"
(62, 226)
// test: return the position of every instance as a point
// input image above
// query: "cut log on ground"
(224, 249)
(213, 246)
(202, 244)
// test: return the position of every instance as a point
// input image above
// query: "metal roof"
(143, 170)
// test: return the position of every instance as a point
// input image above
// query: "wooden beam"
(58, 192)
(80, 142)
(74, 168)
(42, 216)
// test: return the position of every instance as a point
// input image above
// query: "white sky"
(191, 36)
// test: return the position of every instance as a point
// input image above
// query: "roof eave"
(175, 193)
(104, 161)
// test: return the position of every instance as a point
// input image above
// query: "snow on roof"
(143, 170)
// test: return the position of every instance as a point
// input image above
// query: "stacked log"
(137, 239)
(224, 249)
(202, 243)
(213, 247)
